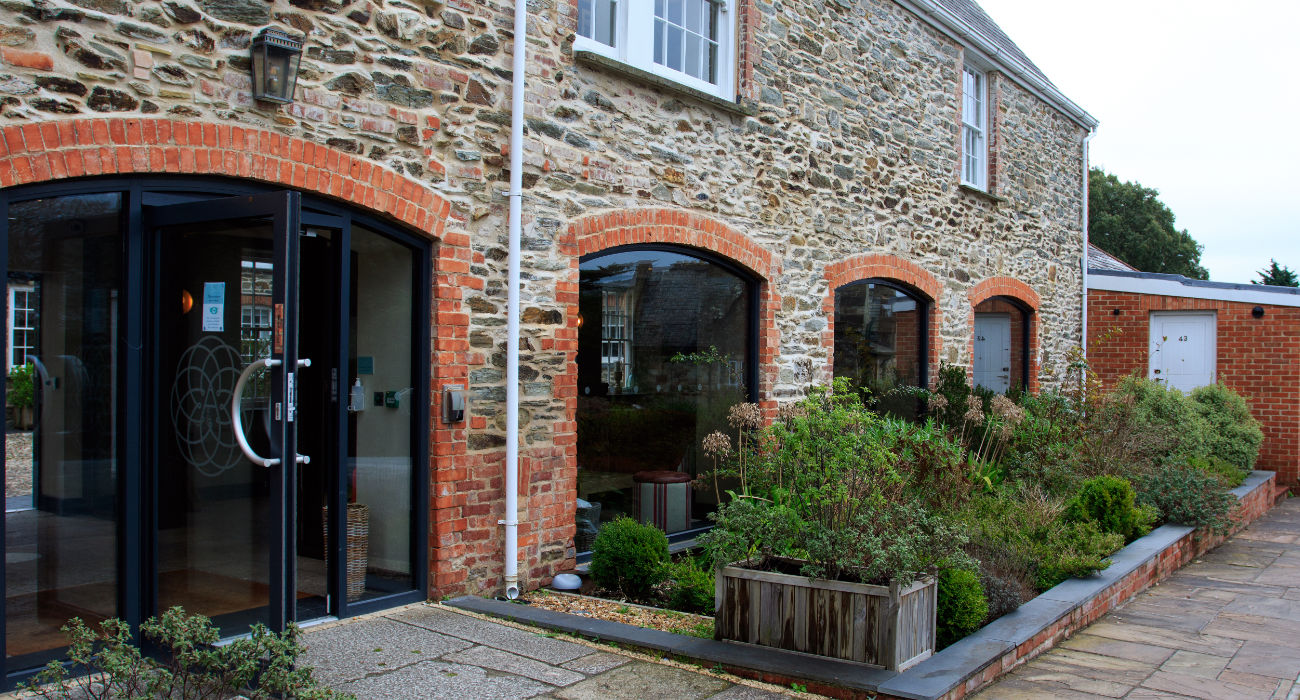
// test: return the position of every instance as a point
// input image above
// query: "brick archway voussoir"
(1004, 287)
(60, 149)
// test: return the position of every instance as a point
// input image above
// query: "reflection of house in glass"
(668, 357)
(880, 338)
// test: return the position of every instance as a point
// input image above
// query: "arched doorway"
(173, 317)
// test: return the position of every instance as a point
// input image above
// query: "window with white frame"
(22, 325)
(688, 41)
(616, 339)
(974, 129)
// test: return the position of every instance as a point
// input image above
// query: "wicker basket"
(358, 548)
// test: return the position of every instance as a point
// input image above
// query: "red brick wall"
(1260, 358)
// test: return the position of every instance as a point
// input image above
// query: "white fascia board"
(966, 35)
(1172, 287)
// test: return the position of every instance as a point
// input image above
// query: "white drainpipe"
(512, 302)
(1086, 139)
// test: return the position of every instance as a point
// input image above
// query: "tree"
(1128, 221)
(1277, 275)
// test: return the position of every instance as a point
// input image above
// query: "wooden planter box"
(890, 626)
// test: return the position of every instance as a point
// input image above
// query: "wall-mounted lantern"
(1257, 312)
(275, 57)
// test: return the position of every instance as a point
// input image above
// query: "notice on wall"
(214, 306)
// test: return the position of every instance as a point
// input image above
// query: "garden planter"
(890, 626)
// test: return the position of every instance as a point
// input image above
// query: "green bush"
(1189, 497)
(1232, 434)
(1227, 474)
(1168, 412)
(821, 485)
(22, 390)
(1108, 501)
(962, 605)
(690, 587)
(189, 666)
(1032, 541)
(629, 557)
(1073, 549)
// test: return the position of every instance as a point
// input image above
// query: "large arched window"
(665, 347)
(881, 340)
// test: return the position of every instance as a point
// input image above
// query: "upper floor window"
(974, 129)
(688, 41)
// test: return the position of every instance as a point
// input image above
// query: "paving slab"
(355, 649)
(1121, 653)
(498, 660)
(596, 663)
(1197, 687)
(640, 680)
(746, 692)
(436, 680)
(1190, 663)
(1267, 659)
(1095, 666)
(530, 644)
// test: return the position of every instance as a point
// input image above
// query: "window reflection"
(662, 353)
(880, 342)
(61, 485)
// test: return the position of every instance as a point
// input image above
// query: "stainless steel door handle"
(236, 397)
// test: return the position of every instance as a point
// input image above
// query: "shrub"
(690, 587)
(962, 605)
(1188, 497)
(1073, 549)
(189, 664)
(821, 485)
(1167, 412)
(629, 557)
(1232, 434)
(1108, 501)
(22, 390)
(1227, 474)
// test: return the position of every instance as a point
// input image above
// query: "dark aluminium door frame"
(145, 205)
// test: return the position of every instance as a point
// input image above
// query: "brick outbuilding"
(1244, 336)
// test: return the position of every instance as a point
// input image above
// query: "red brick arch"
(597, 232)
(55, 150)
(1004, 287)
(1017, 290)
(886, 267)
(59, 149)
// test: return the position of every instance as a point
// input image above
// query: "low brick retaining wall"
(962, 668)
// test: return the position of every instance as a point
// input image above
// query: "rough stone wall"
(852, 148)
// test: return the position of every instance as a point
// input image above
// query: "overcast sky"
(1198, 100)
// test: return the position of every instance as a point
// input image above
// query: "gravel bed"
(18, 464)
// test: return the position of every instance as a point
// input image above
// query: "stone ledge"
(982, 194)
(955, 672)
(596, 60)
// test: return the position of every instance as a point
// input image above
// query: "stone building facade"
(838, 161)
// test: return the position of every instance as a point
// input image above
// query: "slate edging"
(943, 674)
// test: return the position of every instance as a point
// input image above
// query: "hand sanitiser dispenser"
(357, 399)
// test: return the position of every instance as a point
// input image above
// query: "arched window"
(881, 340)
(666, 344)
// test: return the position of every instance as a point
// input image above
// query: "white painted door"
(1182, 349)
(993, 351)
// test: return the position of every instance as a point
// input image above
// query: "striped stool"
(663, 499)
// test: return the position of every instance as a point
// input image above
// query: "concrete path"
(1226, 626)
(424, 651)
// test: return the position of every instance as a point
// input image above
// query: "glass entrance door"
(137, 307)
(226, 446)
